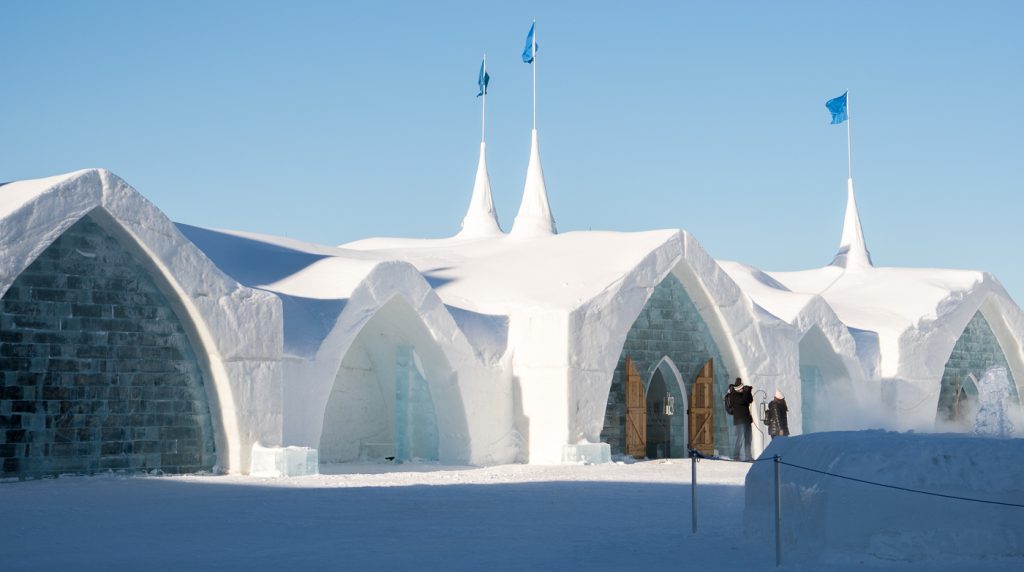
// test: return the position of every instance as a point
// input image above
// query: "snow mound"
(852, 518)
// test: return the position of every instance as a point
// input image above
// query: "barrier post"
(778, 511)
(693, 488)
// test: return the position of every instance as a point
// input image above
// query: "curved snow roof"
(317, 283)
(905, 320)
(501, 274)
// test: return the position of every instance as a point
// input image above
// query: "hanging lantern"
(670, 405)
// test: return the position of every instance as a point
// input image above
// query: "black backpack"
(728, 402)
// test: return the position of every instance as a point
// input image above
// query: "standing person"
(737, 404)
(778, 416)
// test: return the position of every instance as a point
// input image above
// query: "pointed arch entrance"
(666, 411)
(670, 339)
(976, 350)
(392, 394)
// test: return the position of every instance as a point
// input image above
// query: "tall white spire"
(534, 218)
(853, 252)
(481, 218)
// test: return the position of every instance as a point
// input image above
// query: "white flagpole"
(483, 107)
(849, 148)
(533, 49)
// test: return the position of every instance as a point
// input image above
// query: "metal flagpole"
(533, 51)
(849, 150)
(483, 109)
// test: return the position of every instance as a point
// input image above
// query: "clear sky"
(331, 121)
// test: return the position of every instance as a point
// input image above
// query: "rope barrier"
(954, 497)
(700, 456)
(838, 476)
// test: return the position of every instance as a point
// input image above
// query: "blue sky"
(335, 121)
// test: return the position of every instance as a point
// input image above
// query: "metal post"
(533, 49)
(778, 511)
(693, 488)
(483, 106)
(849, 145)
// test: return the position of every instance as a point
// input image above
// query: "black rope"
(894, 486)
(699, 455)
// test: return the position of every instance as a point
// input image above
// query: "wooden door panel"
(636, 413)
(702, 411)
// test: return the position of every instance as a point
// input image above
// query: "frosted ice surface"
(415, 419)
(284, 461)
(994, 391)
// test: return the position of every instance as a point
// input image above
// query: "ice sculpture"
(415, 419)
(993, 392)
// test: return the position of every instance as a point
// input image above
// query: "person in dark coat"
(737, 404)
(778, 416)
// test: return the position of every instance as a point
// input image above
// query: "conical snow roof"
(534, 218)
(481, 218)
(853, 253)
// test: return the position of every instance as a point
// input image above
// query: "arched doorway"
(669, 336)
(659, 438)
(976, 350)
(99, 372)
(392, 383)
(666, 412)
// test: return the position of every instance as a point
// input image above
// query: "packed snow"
(368, 516)
(832, 519)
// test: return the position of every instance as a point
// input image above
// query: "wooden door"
(636, 413)
(702, 410)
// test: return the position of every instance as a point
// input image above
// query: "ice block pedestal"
(284, 461)
(590, 453)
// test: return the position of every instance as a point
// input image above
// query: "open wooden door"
(702, 410)
(636, 413)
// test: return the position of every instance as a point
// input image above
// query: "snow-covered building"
(130, 342)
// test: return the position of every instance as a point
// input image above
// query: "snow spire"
(534, 218)
(481, 218)
(853, 253)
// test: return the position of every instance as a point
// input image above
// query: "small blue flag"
(837, 107)
(531, 49)
(483, 80)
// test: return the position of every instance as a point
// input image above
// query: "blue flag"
(530, 50)
(837, 107)
(483, 80)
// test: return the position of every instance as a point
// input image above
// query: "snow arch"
(209, 305)
(1001, 313)
(402, 311)
(977, 349)
(746, 336)
(923, 377)
(670, 325)
(99, 365)
(392, 388)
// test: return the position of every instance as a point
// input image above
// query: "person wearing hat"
(737, 404)
(778, 416)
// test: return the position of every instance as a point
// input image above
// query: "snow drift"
(852, 518)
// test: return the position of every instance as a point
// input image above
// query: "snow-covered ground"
(402, 517)
(831, 518)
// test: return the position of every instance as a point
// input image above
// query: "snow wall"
(826, 518)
